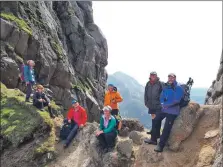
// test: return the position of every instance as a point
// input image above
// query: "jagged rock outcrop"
(215, 92)
(70, 51)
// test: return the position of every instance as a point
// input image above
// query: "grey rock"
(125, 147)
(184, 125)
(14, 37)
(129, 125)
(22, 44)
(136, 137)
(9, 72)
(6, 29)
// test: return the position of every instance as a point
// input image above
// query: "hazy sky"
(180, 37)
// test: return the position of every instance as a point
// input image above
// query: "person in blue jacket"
(29, 78)
(170, 98)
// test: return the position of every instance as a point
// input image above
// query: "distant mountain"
(133, 95)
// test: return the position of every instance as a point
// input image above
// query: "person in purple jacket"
(170, 98)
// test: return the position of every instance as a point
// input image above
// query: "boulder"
(125, 147)
(6, 29)
(129, 125)
(184, 125)
(9, 72)
(136, 137)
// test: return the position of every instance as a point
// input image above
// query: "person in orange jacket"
(112, 98)
(78, 116)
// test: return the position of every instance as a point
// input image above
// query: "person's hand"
(99, 132)
(49, 104)
(153, 116)
(40, 100)
(81, 125)
(69, 121)
(27, 83)
(43, 100)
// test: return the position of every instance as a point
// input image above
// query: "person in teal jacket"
(107, 133)
(29, 78)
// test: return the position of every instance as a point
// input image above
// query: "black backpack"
(186, 97)
(66, 129)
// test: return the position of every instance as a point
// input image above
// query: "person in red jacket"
(78, 116)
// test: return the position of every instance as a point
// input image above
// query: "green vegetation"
(20, 22)
(84, 87)
(57, 48)
(20, 120)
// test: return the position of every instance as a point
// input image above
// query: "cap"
(153, 73)
(74, 101)
(111, 85)
(107, 108)
(171, 75)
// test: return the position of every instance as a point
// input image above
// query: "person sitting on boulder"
(29, 78)
(40, 100)
(107, 133)
(78, 116)
(112, 98)
(170, 98)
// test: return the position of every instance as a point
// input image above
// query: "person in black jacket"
(40, 100)
(153, 90)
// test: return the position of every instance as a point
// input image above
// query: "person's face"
(39, 90)
(107, 113)
(171, 79)
(31, 64)
(153, 77)
(75, 105)
(110, 88)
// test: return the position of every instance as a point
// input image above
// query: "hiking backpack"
(66, 129)
(22, 77)
(186, 97)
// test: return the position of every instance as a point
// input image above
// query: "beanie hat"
(74, 101)
(111, 85)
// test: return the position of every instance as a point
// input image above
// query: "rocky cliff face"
(215, 92)
(69, 49)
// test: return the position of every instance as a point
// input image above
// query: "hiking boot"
(65, 146)
(158, 148)
(149, 141)
(28, 101)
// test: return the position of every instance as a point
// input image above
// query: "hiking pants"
(72, 134)
(107, 140)
(29, 90)
(41, 105)
(156, 112)
(166, 130)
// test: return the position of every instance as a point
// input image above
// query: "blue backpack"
(186, 97)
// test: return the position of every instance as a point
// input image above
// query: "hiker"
(152, 93)
(112, 98)
(29, 77)
(170, 98)
(107, 133)
(40, 100)
(78, 116)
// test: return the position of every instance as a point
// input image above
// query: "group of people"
(161, 99)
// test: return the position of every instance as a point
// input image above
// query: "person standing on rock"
(78, 116)
(40, 100)
(152, 93)
(29, 78)
(170, 98)
(107, 133)
(112, 98)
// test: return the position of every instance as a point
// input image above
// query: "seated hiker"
(170, 98)
(78, 115)
(112, 98)
(107, 133)
(40, 100)
(29, 77)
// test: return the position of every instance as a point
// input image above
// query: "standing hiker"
(170, 99)
(152, 93)
(112, 98)
(29, 77)
(40, 100)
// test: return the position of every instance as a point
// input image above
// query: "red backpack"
(22, 72)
